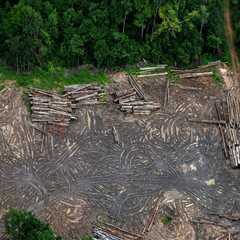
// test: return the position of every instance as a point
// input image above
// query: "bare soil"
(84, 177)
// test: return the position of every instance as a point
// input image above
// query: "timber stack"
(50, 108)
(133, 100)
(161, 71)
(229, 111)
(87, 94)
(233, 107)
(200, 71)
(152, 71)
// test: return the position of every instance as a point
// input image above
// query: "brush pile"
(85, 94)
(133, 100)
(50, 108)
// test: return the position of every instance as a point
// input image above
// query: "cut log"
(137, 103)
(198, 69)
(115, 135)
(186, 87)
(128, 100)
(86, 97)
(142, 112)
(146, 107)
(77, 87)
(166, 96)
(125, 97)
(162, 66)
(152, 75)
(207, 121)
(137, 88)
(120, 94)
(222, 132)
(195, 75)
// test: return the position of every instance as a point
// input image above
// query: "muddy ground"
(76, 179)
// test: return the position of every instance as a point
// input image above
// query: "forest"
(114, 33)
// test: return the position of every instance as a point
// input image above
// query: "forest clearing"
(119, 120)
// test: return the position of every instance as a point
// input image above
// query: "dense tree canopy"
(111, 33)
(236, 21)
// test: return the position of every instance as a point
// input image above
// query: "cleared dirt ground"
(74, 180)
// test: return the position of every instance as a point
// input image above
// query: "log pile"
(195, 75)
(161, 71)
(233, 107)
(155, 71)
(139, 107)
(201, 71)
(232, 140)
(133, 100)
(229, 112)
(133, 83)
(85, 94)
(50, 108)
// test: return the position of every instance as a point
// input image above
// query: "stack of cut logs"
(230, 131)
(232, 141)
(50, 108)
(160, 71)
(233, 105)
(201, 71)
(85, 94)
(155, 71)
(133, 100)
(232, 128)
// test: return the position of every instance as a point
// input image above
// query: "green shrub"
(86, 238)
(166, 220)
(21, 225)
(217, 78)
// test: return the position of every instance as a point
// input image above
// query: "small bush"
(21, 225)
(166, 220)
(86, 238)
(217, 78)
